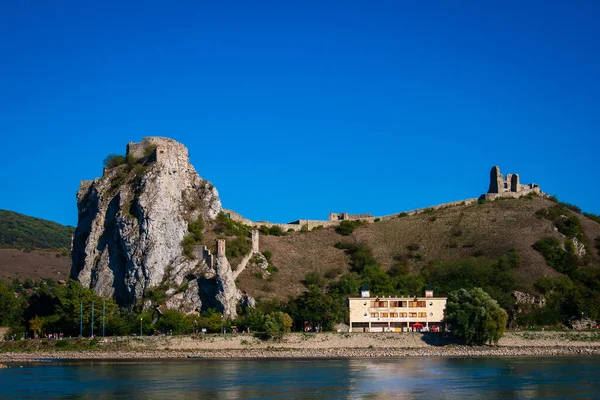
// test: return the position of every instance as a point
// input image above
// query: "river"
(389, 378)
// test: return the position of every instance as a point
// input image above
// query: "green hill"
(21, 231)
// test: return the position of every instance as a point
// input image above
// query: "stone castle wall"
(509, 187)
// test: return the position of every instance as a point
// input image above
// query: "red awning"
(417, 325)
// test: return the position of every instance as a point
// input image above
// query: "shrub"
(114, 160)
(304, 229)
(62, 343)
(398, 270)
(402, 214)
(346, 228)
(377, 220)
(196, 229)
(314, 278)
(188, 244)
(272, 269)
(571, 207)
(333, 273)
(566, 223)
(318, 227)
(290, 230)
(238, 247)
(275, 230)
(593, 217)
(413, 247)
(558, 255)
(360, 254)
(148, 150)
(267, 255)
(228, 227)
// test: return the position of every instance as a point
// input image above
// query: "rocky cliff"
(132, 221)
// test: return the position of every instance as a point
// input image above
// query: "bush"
(267, 255)
(402, 214)
(61, 344)
(318, 227)
(333, 273)
(188, 244)
(304, 229)
(114, 160)
(558, 255)
(238, 247)
(413, 247)
(314, 278)
(566, 223)
(346, 228)
(475, 317)
(398, 270)
(275, 231)
(593, 217)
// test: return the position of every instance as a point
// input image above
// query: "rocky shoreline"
(452, 351)
(307, 346)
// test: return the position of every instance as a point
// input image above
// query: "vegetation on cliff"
(21, 231)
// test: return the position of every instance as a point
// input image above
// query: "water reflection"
(318, 378)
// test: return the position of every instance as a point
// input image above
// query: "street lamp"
(141, 319)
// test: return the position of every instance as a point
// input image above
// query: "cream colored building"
(396, 314)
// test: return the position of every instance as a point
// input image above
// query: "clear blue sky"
(296, 109)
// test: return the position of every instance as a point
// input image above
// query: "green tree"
(278, 323)
(36, 324)
(254, 318)
(11, 310)
(176, 321)
(475, 317)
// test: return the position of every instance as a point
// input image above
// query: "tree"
(176, 321)
(11, 311)
(277, 323)
(475, 317)
(36, 324)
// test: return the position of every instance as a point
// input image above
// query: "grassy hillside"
(412, 243)
(21, 231)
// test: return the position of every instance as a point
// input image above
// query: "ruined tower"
(509, 186)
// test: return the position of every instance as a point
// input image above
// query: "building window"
(412, 315)
(394, 303)
(422, 315)
(402, 315)
(384, 315)
(393, 315)
(403, 304)
(379, 304)
(374, 315)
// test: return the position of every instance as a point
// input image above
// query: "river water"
(389, 378)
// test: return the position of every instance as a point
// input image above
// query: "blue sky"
(296, 109)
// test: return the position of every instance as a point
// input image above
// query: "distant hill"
(21, 231)
(452, 233)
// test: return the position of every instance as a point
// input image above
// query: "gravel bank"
(324, 345)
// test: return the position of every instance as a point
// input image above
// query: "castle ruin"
(508, 187)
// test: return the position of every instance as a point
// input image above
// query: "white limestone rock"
(132, 222)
